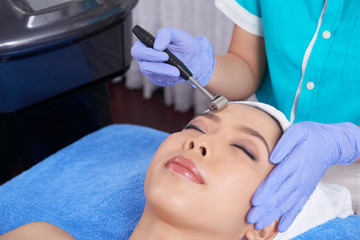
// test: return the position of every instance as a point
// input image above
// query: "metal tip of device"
(218, 103)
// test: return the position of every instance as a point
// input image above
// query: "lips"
(186, 168)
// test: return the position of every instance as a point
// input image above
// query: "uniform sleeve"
(244, 13)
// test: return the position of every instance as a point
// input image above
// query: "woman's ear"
(267, 233)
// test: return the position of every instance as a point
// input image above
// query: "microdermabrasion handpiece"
(218, 102)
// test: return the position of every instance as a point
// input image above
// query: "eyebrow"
(241, 128)
(254, 133)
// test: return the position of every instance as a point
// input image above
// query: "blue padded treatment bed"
(93, 188)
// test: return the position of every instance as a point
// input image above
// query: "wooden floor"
(128, 106)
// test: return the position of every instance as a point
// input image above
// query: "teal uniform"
(313, 55)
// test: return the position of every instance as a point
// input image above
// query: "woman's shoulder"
(38, 231)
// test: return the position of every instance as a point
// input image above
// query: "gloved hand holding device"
(196, 53)
(303, 154)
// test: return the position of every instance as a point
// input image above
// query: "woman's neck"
(153, 227)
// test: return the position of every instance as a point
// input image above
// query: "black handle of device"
(148, 40)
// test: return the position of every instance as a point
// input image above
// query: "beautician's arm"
(238, 73)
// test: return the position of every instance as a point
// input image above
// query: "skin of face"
(218, 145)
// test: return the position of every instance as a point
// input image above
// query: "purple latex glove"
(196, 53)
(303, 154)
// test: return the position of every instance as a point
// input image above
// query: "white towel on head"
(327, 202)
(269, 109)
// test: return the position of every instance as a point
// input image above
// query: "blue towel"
(93, 188)
(336, 229)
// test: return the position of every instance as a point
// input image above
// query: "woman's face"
(203, 177)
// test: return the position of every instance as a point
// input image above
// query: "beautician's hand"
(196, 53)
(302, 155)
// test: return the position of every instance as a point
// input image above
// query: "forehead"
(236, 114)
(241, 112)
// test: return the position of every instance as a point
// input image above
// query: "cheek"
(236, 184)
(171, 145)
(237, 188)
(231, 192)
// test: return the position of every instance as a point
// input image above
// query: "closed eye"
(245, 150)
(190, 126)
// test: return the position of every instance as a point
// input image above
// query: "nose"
(200, 146)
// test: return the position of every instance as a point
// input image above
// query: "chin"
(172, 199)
(176, 203)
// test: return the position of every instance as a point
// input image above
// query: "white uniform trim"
(241, 17)
(304, 64)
